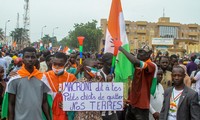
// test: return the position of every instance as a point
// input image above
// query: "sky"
(65, 13)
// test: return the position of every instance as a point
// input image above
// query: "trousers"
(134, 113)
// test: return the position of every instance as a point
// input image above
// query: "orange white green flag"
(116, 30)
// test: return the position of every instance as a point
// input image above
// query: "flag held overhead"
(116, 31)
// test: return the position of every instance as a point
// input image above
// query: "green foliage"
(47, 39)
(18, 34)
(1, 33)
(90, 31)
(63, 42)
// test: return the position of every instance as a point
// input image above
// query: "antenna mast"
(26, 34)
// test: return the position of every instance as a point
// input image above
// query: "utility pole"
(17, 26)
(26, 34)
(6, 28)
(42, 31)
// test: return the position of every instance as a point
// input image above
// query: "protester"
(89, 76)
(72, 60)
(193, 86)
(49, 60)
(157, 58)
(187, 80)
(18, 64)
(8, 59)
(164, 64)
(43, 65)
(157, 99)
(78, 70)
(145, 70)
(191, 66)
(181, 63)
(4, 64)
(106, 76)
(180, 102)
(196, 79)
(25, 101)
(53, 79)
(2, 85)
(173, 61)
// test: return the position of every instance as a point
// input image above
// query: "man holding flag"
(144, 81)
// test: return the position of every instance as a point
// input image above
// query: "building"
(163, 35)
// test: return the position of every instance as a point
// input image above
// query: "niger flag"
(116, 30)
(67, 51)
(14, 44)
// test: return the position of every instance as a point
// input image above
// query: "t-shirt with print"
(174, 99)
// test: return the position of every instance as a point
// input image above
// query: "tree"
(47, 39)
(1, 37)
(63, 42)
(1, 34)
(90, 31)
(18, 35)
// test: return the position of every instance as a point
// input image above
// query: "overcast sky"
(64, 13)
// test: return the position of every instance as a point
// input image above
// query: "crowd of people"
(163, 87)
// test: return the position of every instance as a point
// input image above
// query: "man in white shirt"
(157, 100)
(8, 59)
(196, 78)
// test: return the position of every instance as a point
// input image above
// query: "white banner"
(96, 96)
(162, 41)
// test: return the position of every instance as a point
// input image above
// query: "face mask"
(58, 71)
(92, 72)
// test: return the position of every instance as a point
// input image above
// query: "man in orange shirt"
(54, 79)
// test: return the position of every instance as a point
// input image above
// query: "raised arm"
(117, 46)
(130, 57)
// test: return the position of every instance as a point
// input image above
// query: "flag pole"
(114, 59)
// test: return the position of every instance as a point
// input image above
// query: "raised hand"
(109, 78)
(117, 43)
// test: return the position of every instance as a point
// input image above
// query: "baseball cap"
(146, 48)
(17, 60)
(14, 57)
